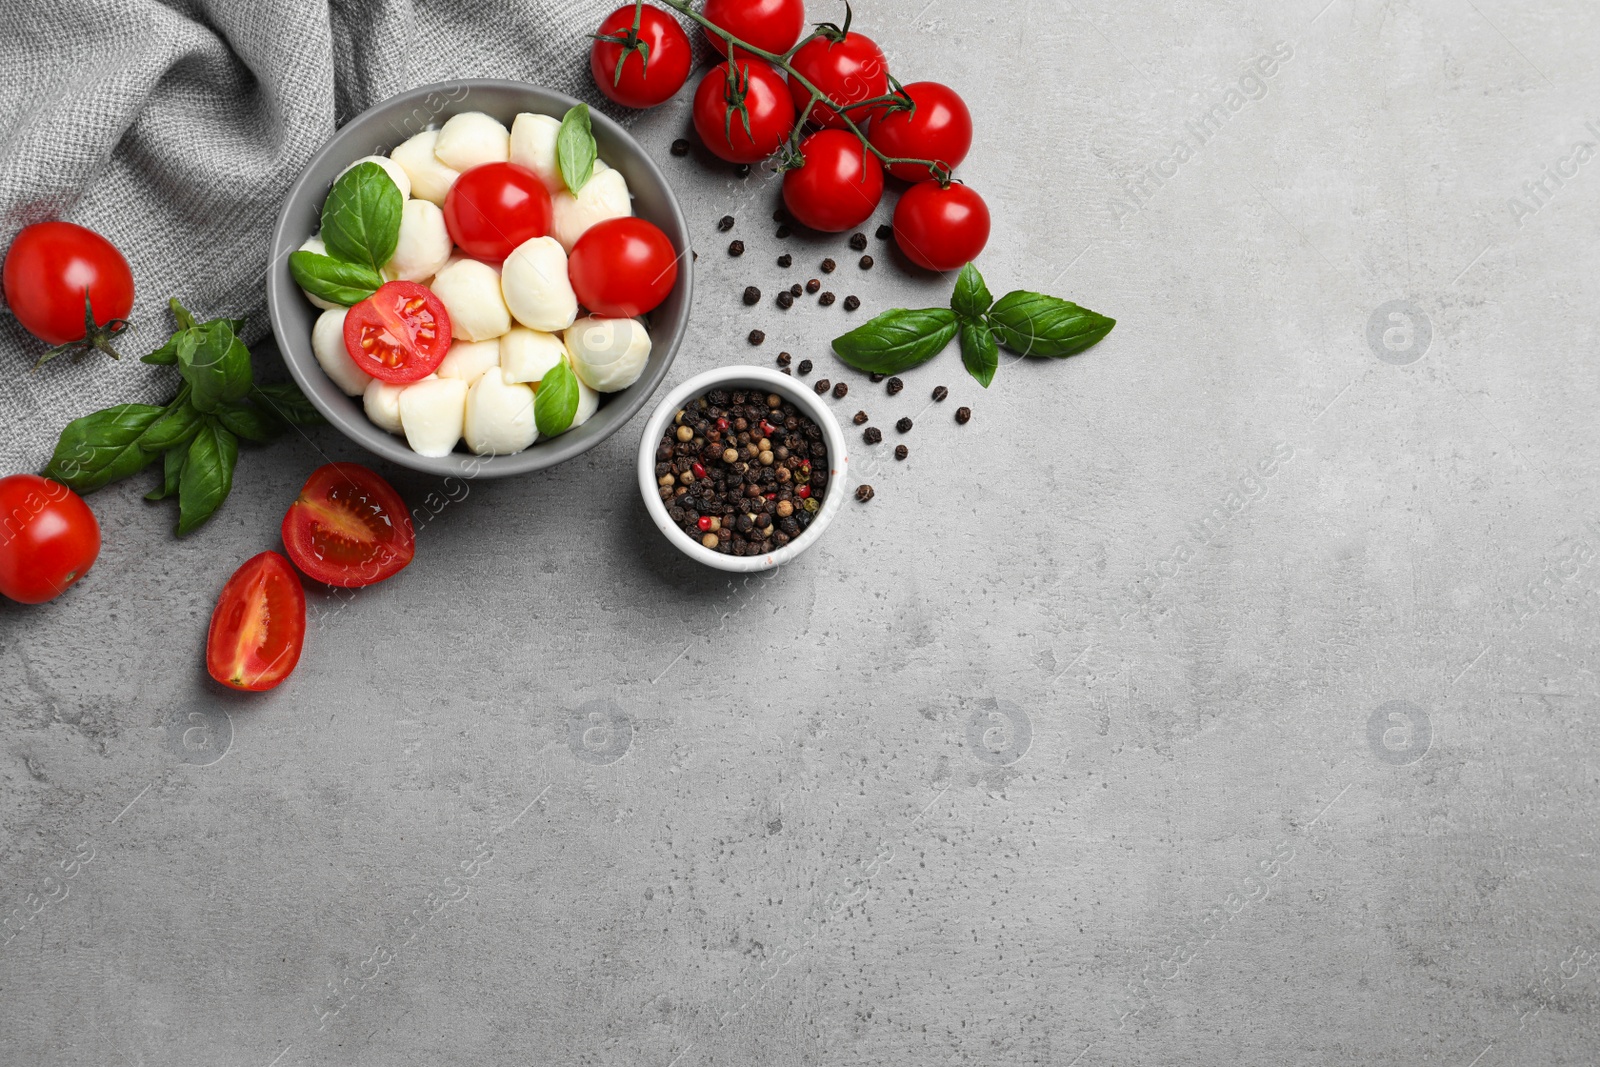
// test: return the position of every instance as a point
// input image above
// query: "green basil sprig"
(196, 435)
(333, 280)
(1030, 324)
(361, 217)
(575, 148)
(557, 401)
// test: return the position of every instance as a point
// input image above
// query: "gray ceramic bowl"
(377, 131)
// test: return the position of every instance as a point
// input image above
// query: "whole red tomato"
(47, 271)
(938, 128)
(494, 207)
(622, 267)
(49, 538)
(771, 25)
(941, 227)
(636, 81)
(847, 71)
(749, 133)
(838, 186)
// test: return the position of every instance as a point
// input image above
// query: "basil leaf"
(207, 475)
(167, 354)
(175, 427)
(333, 279)
(557, 400)
(971, 297)
(979, 353)
(250, 423)
(171, 469)
(103, 447)
(361, 217)
(575, 148)
(216, 366)
(1037, 325)
(285, 401)
(897, 339)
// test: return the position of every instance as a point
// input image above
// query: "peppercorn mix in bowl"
(742, 468)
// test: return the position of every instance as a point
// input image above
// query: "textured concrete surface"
(1224, 694)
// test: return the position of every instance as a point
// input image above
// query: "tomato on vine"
(838, 184)
(939, 226)
(68, 286)
(847, 67)
(938, 127)
(742, 111)
(771, 25)
(51, 538)
(640, 68)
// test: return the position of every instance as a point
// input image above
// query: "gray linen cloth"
(174, 128)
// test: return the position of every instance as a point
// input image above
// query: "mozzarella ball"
(588, 404)
(607, 354)
(402, 181)
(472, 139)
(528, 355)
(535, 286)
(499, 415)
(470, 292)
(327, 344)
(603, 196)
(424, 243)
(533, 145)
(314, 244)
(381, 402)
(468, 359)
(430, 179)
(432, 413)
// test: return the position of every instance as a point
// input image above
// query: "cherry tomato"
(771, 25)
(258, 625)
(939, 129)
(348, 527)
(838, 187)
(47, 270)
(941, 227)
(622, 267)
(400, 333)
(493, 208)
(641, 83)
(847, 71)
(751, 134)
(48, 538)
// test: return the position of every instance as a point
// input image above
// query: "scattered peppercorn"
(840, 390)
(813, 285)
(780, 215)
(782, 232)
(795, 290)
(963, 415)
(872, 435)
(822, 386)
(784, 358)
(904, 425)
(725, 223)
(852, 302)
(939, 393)
(828, 265)
(756, 337)
(680, 147)
(785, 260)
(858, 241)
(885, 232)
(866, 262)
(742, 170)
(805, 366)
(861, 417)
(786, 300)
(736, 249)
(901, 451)
(826, 299)
(784, 370)
(875, 378)
(895, 385)
(752, 295)
(863, 493)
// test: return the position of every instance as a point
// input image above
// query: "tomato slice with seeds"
(400, 333)
(258, 625)
(348, 527)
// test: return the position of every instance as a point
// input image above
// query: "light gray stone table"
(1225, 694)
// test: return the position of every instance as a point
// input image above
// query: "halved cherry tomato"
(258, 625)
(401, 333)
(839, 184)
(848, 71)
(348, 527)
(939, 128)
(635, 79)
(622, 267)
(750, 133)
(493, 208)
(48, 538)
(771, 25)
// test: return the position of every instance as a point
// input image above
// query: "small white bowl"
(767, 381)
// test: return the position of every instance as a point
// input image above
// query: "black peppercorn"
(785, 260)
(901, 451)
(736, 248)
(840, 390)
(894, 386)
(805, 366)
(786, 300)
(725, 223)
(813, 285)
(752, 295)
(863, 493)
(875, 378)
(852, 302)
(826, 299)
(939, 393)
(742, 170)
(885, 232)
(795, 290)
(963, 415)
(872, 435)
(783, 359)
(866, 262)
(822, 386)
(756, 337)
(783, 231)
(680, 147)
(858, 241)
(780, 215)
(904, 425)
(828, 265)
(861, 417)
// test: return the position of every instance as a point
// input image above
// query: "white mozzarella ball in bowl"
(604, 196)
(499, 418)
(396, 172)
(607, 354)
(588, 404)
(533, 145)
(472, 139)
(468, 359)
(327, 344)
(423, 246)
(528, 355)
(535, 285)
(314, 245)
(381, 402)
(470, 292)
(432, 413)
(430, 179)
